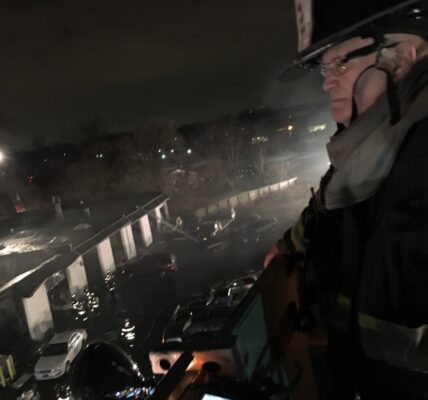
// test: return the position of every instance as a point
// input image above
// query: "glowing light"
(1, 156)
(317, 128)
(189, 151)
(259, 139)
(163, 156)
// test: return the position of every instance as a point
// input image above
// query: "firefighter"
(364, 235)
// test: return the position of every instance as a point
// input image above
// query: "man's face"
(341, 88)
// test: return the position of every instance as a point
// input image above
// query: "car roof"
(157, 256)
(62, 337)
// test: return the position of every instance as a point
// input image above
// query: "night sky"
(127, 61)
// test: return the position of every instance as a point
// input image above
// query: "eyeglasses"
(338, 66)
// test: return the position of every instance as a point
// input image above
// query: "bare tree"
(260, 158)
(86, 130)
(221, 147)
(154, 136)
(279, 170)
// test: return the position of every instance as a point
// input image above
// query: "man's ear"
(405, 58)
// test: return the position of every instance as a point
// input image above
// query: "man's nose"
(329, 82)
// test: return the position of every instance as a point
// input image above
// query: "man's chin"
(341, 117)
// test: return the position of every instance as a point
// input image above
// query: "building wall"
(11, 321)
(128, 242)
(76, 277)
(93, 270)
(158, 216)
(117, 248)
(146, 231)
(105, 256)
(38, 313)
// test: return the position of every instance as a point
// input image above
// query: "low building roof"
(105, 219)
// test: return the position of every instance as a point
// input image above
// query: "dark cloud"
(127, 60)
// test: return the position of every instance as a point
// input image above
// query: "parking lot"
(135, 313)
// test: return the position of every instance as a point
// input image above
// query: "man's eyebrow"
(341, 54)
(332, 58)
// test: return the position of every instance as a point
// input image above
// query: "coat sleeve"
(293, 241)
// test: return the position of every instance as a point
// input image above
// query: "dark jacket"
(368, 265)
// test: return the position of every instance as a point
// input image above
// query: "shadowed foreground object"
(104, 371)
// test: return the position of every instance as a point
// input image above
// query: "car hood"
(50, 362)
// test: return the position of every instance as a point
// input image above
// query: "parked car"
(197, 317)
(182, 316)
(197, 302)
(180, 319)
(207, 230)
(152, 263)
(226, 298)
(254, 229)
(207, 322)
(59, 354)
(233, 290)
(263, 224)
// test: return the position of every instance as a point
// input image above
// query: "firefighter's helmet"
(322, 24)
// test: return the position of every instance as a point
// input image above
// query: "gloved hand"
(278, 249)
(270, 255)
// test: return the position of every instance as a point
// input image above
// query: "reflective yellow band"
(343, 300)
(395, 344)
(296, 236)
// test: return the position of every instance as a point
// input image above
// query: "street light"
(1, 156)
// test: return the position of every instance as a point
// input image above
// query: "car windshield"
(55, 349)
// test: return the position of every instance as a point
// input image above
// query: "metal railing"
(250, 347)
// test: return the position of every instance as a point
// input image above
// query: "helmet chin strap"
(354, 113)
(391, 90)
(392, 95)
